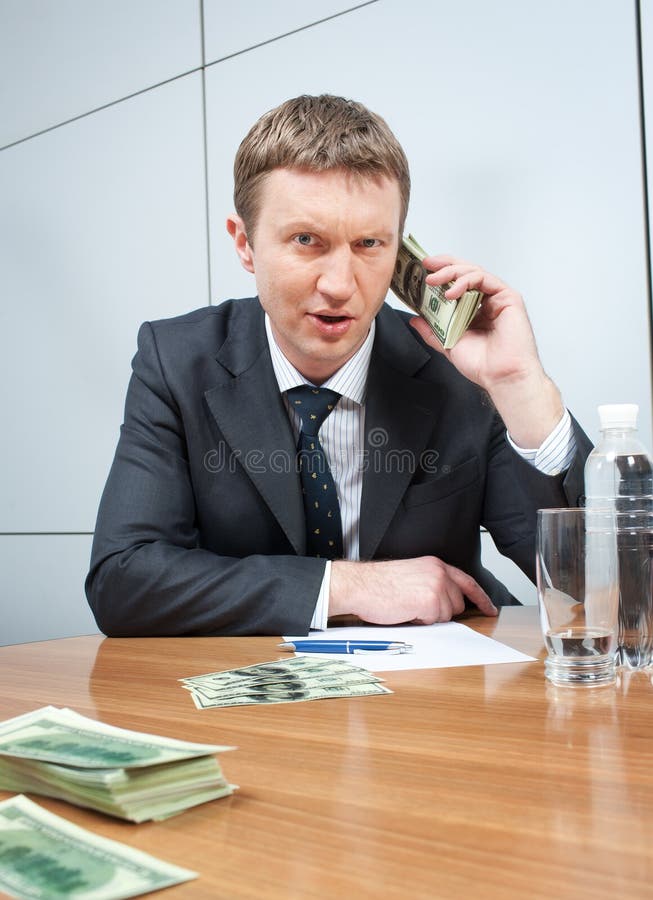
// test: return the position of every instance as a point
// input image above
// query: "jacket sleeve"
(149, 576)
(515, 490)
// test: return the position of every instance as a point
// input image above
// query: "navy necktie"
(323, 527)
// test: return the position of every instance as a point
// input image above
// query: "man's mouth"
(331, 326)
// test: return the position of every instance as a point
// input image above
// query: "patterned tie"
(323, 528)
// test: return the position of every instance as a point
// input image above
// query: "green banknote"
(137, 795)
(44, 856)
(323, 679)
(135, 776)
(292, 695)
(273, 673)
(63, 736)
(283, 681)
(449, 319)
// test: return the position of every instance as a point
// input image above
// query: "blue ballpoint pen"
(346, 646)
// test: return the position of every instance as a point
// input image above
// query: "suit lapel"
(249, 411)
(400, 415)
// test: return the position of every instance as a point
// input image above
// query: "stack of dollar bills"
(449, 319)
(45, 857)
(283, 681)
(128, 774)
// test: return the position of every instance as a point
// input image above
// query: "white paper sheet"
(435, 647)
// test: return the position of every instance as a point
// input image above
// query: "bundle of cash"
(44, 856)
(128, 774)
(449, 319)
(282, 681)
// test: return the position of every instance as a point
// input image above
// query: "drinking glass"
(578, 594)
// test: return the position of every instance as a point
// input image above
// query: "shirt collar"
(350, 380)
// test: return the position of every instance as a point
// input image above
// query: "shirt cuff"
(557, 451)
(321, 614)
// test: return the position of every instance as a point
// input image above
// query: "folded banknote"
(449, 319)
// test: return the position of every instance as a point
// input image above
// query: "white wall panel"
(42, 587)
(226, 32)
(521, 125)
(62, 58)
(525, 157)
(102, 225)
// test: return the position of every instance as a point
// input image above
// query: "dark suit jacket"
(201, 525)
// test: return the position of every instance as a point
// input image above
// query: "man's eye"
(370, 242)
(304, 239)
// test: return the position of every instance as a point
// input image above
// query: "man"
(208, 526)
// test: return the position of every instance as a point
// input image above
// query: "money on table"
(128, 774)
(282, 681)
(44, 856)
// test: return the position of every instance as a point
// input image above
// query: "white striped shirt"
(556, 452)
(342, 436)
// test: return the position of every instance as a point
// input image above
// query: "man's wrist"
(530, 407)
(342, 588)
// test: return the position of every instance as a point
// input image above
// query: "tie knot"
(313, 405)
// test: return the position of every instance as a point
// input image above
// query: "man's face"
(323, 254)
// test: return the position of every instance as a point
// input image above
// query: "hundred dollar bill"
(135, 776)
(266, 673)
(137, 795)
(287, 684)
(292, 695)
(354, 675)
(282, 681)
(63, 736)
(449, 319)
(44, 856)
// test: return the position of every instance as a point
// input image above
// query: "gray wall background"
(118, 126)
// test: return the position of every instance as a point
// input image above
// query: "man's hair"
(317, 134)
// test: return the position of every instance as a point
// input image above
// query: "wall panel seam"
(279, 37)
(98, 109)
(205, 141)
(645, 184)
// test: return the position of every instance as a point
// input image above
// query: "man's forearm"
(158, 589)
(530, 407)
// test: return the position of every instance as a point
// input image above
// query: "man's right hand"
(422, 591)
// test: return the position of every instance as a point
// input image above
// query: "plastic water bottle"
(619, 477)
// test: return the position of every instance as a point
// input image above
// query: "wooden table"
(481, 781)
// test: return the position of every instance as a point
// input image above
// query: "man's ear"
(236, 228)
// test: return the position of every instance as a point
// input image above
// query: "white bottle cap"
(618, 415)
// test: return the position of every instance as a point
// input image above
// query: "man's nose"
(337, 279)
